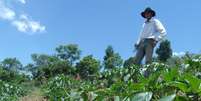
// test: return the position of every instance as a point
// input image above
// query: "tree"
(48, 66)
(112, 59)
(12, 76)
(31, 68)
(62, 67)
(174, 61)
(88, 66)
(12, 64)
(43, 59)
(41, 65)
(69, 52)
(164, 51)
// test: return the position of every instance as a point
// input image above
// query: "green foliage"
(174, 61)
(112, 59)
(66, 88)
(193, 64)
(178, 79)
(88, 67)
(164, 51)
(168, 98)
(12, 76)
(10, 91)
(142, 96)
(69, 52)
(129, 62)
(46, 66)
(11, 64)
(43, 59)
(164, 83)
(11, 79)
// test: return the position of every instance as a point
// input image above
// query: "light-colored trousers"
(145, 49)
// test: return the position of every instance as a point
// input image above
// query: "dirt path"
(35, 95)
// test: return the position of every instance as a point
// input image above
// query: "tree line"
(67, 61)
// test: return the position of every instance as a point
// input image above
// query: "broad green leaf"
(181, 98)
(195, 83)
(126, 99)
(137, 86)
(116, 98)
(170, 75)
(180, 85)
(146, 96)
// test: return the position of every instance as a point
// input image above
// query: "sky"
(39, 26)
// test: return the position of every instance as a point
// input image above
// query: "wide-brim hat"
(148, 9)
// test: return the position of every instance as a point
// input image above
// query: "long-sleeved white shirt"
(151, 29)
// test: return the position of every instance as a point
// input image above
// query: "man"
(148, 36)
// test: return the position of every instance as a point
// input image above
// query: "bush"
(10, 91)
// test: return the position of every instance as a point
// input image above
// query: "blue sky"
(38, 26)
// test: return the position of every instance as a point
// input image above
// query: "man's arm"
(160, 28)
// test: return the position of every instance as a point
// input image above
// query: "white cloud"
(5, 12)
(36, 26)
(179, 53)
(22, 22)
(21, 26)
(22, 1)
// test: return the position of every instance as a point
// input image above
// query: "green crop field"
(167, 82)
(64, 76)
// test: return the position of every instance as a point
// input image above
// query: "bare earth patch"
(33, 98)
(35, 95)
